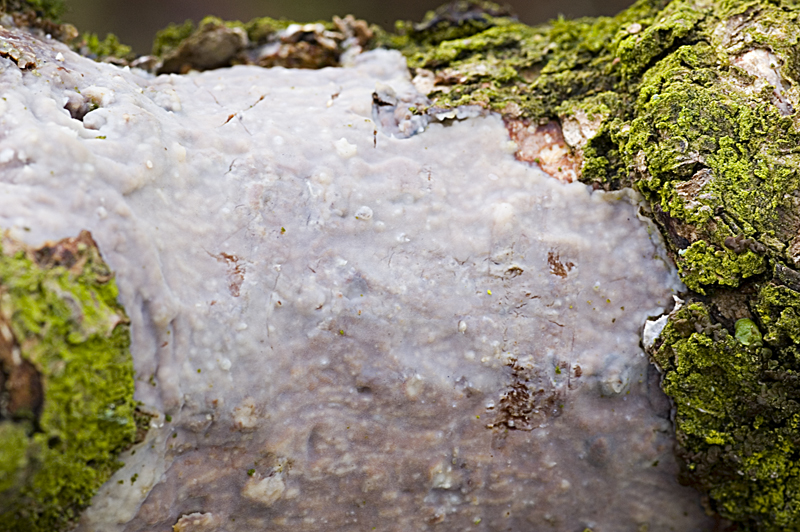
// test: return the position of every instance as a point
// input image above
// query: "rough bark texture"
(691, 102)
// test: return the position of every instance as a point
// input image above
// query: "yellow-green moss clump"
(738, 417)
(66, 382)
(108, 49)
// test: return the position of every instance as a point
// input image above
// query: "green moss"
(483, 56)
(737, 422)
(108, 47)
(778, 308)
(639, 50)
(671, 100)
(60, 304)
(701, 265)
(260, 30)
(715, 158)
(171, 37)
(48, 9)
(13, 455)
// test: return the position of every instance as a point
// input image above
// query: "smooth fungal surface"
(344, 330)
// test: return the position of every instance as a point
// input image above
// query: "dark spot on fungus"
(529, 399)
(557, 267)
(236, 272)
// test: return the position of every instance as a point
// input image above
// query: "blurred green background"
(135, 22)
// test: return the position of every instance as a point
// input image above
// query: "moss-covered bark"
(66, 382)
(737, 417)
